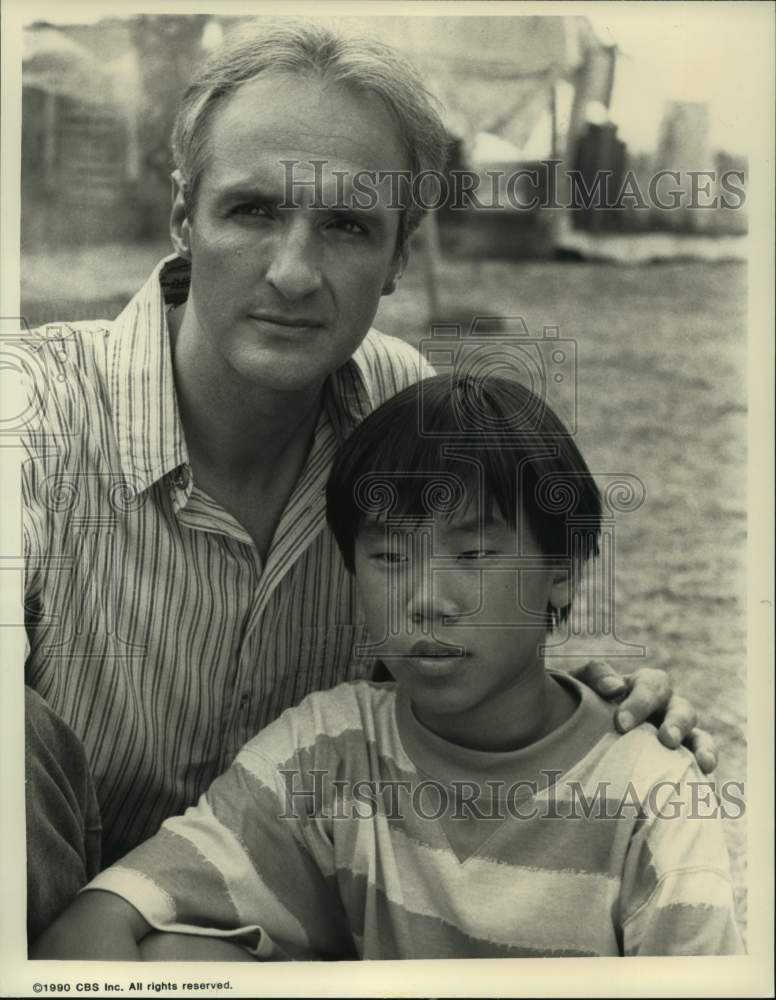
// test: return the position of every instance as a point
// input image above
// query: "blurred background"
(654, 301)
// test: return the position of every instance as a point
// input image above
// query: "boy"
(481, 805)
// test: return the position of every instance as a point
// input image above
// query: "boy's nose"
(428, 598)
(295, 268)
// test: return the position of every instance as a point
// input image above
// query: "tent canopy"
(492, 74)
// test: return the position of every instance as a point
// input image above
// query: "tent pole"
(554, 120)
(49, 141)
(561, 217)
(432, 259)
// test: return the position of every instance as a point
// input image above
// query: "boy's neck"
(532, 708)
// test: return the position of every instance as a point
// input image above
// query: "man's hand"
(647, 694)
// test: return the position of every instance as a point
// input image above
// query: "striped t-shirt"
(347, 830)
(154, 628)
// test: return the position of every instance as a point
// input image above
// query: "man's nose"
(295, 268)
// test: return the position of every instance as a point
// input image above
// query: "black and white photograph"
(387, 442)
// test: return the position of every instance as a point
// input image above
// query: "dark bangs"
(448, 446)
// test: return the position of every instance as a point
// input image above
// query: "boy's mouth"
(433, 660)
(429, 650)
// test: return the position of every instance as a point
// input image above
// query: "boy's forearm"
(97, 925)
(158, 947)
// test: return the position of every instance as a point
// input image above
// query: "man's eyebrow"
(256, 192)
(249, 192)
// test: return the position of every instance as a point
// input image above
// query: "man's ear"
(180, 227)
(398, 265)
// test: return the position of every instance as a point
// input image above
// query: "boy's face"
(429, 589)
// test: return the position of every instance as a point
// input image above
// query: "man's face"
(462, 584)
(282, 296)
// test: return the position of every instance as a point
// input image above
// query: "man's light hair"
(303, 47)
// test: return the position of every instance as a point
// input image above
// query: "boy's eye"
(476, 554)
(388, 558)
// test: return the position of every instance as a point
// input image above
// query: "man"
(182, 587)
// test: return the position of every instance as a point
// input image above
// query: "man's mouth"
(291, 321)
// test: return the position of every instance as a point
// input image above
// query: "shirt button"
(181, 477)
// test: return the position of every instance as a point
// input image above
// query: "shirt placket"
(302, 520)
(240, 708)
(200, 512)
(248, 689)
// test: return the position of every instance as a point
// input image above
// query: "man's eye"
(471, 554)
(349, 226)
(251, 210)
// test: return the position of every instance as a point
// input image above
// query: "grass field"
(661, 396)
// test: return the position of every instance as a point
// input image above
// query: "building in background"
(81, 160)
(98, 102)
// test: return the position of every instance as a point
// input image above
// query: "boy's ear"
(180, 226)
(563, 588)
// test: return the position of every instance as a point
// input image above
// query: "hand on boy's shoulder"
(647, 694)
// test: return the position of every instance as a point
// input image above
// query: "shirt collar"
(144, 405)
(537, 763)
(349, 395)
(146, 421)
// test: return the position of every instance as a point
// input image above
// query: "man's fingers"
(602, 678)
(651, 695)
(650, 692)
(702, 745)
(680, 719)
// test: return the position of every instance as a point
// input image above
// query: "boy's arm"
(96, 925)
(160, 947)
(102, 926)
(677, 895)
(233, 868)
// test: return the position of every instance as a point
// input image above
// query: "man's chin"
(280, 371)
(291, 363)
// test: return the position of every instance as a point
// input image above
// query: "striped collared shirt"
(154, 628)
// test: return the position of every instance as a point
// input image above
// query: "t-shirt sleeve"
(677, 895)
(243, 865)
